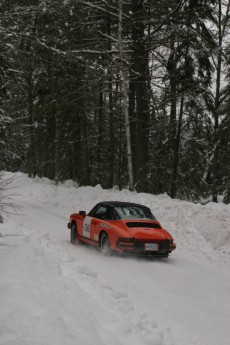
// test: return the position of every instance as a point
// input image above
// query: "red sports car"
(123, 227)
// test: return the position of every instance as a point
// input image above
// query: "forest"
(122, 93)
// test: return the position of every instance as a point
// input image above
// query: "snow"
(55, 293)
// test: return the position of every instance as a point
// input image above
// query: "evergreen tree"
(67, 79)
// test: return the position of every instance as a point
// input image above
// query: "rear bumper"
(138, 248)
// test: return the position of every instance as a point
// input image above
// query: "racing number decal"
(86, 227)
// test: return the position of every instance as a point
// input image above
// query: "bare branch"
(6, 204)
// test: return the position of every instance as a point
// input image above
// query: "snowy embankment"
(55, 293)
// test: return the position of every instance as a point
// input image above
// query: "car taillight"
(125, 240)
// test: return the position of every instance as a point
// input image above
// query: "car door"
(95, 220)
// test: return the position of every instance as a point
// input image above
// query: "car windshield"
(133, 212)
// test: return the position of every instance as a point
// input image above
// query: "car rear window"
(133, 212)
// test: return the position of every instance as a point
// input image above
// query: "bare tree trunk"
(173, 187)
(57, 163)
(173, 91)
(111, 115)
(31, 164)
(222, 23)
(140, 97)
(100, 139)
(111, 132)
(125, 106)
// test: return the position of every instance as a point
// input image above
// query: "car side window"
(100, 212)
(103, 212)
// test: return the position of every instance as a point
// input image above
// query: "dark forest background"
(126, 93)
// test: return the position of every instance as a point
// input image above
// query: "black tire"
(105, 245)
(73, 233)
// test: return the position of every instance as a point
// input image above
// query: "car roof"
(120, 203)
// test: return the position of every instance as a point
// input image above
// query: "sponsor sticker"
(104, 225)
(86, 227)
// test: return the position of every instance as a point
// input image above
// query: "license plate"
(151, 246)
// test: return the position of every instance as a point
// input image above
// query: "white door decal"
(86, 226)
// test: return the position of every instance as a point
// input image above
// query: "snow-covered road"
(55, 293)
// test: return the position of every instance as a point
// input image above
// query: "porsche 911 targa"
(122, 227)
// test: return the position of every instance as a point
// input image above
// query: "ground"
(53, 292)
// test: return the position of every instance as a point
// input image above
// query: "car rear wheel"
(73, 233)
(105, 245)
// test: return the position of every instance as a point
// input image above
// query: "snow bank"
(211, 221)
(55, 293)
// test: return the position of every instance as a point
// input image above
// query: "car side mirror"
(82, 213)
